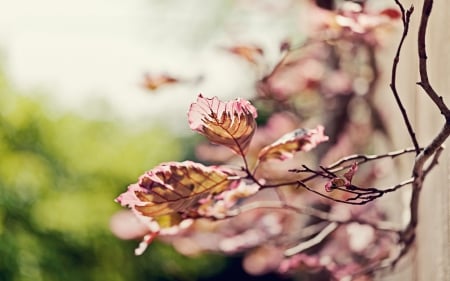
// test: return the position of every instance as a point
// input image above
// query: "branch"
(334, 167)
(318, 238)
(337, 166)
(399, 185)
(370, 194)
(435, 148)
(435, 145)
(406, 15)
(424, 81)
(434, 162)
(419, 176)
(364, 198)
(361, 195)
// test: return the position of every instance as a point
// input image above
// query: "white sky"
(85, 50)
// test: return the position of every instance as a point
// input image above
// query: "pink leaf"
(231, 124)
(290, 143)
(391, 13)
(346, 181)
(349, 174)
(125, 225)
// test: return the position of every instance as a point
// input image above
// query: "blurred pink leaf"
(125, 225)
(391, 13)
(218, 205)
(248, 52)
(298, 140)
(231, 124)
(154, 82)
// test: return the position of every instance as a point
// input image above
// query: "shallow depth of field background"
(76, 125)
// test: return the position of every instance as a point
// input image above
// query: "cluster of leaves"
(175, 191)
(285, 216)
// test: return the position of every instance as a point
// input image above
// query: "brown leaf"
(248, 52)
(173, 188)
(154, 82)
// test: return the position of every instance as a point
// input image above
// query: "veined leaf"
(173, 188)
(227, 123)
(290, 143)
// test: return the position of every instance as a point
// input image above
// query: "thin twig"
(366, 158)
(398, 185)
(406, 15)
(434, 161)
(349, 201)
(359, 159)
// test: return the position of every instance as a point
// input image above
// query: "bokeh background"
(76, 125)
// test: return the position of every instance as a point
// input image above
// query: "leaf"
(154, 82)
(231, 123)
(290, 143)
(173, 188)
(351, 171)
(248, 52)
(391, 13)
(346, 181)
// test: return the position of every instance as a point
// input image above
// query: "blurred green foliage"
(59, 174)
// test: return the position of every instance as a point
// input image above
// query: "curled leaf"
(346, 181)
(173, 188)
(231, 123)
(351, 171)
(290, 143)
